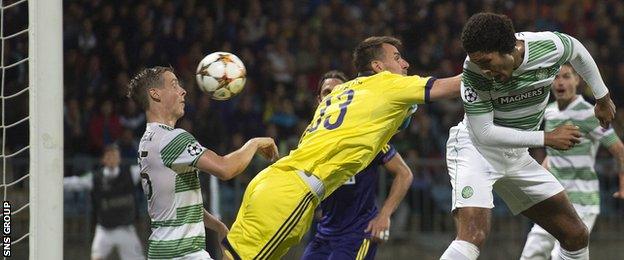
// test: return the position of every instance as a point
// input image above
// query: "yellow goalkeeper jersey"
(353, 123)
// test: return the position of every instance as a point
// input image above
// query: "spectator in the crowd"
(285, 45)
(248, 119)
(132, 118)
(104, 128)
(73, 127)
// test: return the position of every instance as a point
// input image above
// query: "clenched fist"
(563, 137)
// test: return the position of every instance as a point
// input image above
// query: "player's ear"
(377, 66)
(154, 94)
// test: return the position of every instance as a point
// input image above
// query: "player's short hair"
(488, 32)
(571, 68)
(142, 81)
(332, 74)
(371, 49)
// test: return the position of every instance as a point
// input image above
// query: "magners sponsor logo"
(521, 96)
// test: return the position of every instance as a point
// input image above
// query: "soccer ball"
(221, 75)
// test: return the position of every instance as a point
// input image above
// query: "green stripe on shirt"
(478, 107)
(184, 215)
(538, 49)
(572, 173)
(609, 140)
(186, 181)
(529, 122)
(173, 149)
(584, 198)
(567, 48)
(167, 249)
(476, 81)
(579, 149)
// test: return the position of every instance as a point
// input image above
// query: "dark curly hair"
(488, 32)
(142, 81)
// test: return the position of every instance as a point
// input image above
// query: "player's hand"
(563, 137)
(379, 228)
(605, 110)
(266, 147)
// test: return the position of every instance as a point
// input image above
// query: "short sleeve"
(609, 138)
(409, 90)
(179, 150)
(386, 154)
(591, 126)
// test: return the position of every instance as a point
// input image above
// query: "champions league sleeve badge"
(470, 95)
(194, 149)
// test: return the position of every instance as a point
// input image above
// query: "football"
(221, 75)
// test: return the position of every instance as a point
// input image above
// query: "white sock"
(461, 250)
(581, 254)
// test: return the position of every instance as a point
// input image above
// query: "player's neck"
(158, 117)
(518, 54)
(564, 103)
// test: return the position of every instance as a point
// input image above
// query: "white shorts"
(124, 238)
(515, 176)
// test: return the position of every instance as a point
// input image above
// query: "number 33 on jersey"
(352, 123)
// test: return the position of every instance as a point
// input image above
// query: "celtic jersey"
(575, 167)
(520, 102)
(167, 159)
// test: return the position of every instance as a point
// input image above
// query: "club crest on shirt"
(470, 95)
(467, 192)
(541, 74)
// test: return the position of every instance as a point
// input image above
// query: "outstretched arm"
(402, 180)
(445, 88)
(229, 166)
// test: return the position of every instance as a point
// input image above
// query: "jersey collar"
(366, 73)
(579, 99)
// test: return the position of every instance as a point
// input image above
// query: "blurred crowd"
(286, 46)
